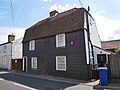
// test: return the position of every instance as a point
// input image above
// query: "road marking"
(24, 86)
(3, 72)
(27, 87)
(1, 79)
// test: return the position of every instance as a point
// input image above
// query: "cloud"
(107, 28)
(5, 31)
(101, 12)
(43, 7)
(62, 8)
(46, 0)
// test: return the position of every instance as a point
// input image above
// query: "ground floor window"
(34, 62)
(61, 63)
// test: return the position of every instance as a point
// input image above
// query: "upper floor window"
(60, 40)
(32, 45)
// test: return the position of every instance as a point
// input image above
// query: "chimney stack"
(11, 37)
(53, 13)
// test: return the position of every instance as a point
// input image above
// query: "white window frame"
(32, 45)
(61, 62)
(34, 62)
(60, 40)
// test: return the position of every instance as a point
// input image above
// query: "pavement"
(90, 84)
(110, 86)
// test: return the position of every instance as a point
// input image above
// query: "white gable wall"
(94, 35)
(17, 49)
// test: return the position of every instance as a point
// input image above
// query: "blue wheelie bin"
(103, 75)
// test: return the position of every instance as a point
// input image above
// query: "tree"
(117, 50)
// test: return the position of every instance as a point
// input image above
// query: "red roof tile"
(110, 44)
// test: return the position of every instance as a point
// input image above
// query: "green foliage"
(117, 50)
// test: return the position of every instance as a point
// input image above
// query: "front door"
(17, 64)
(25, 59)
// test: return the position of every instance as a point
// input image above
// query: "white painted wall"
(9, 51)
(17, 49)
(5, 56)
(94, 35)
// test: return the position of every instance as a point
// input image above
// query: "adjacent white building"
(5, 55)
(12, 50)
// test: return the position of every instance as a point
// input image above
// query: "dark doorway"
(101, 60)
(17, 64)
(24, 68)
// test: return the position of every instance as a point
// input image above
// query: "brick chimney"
(53, 13)
(11, 37)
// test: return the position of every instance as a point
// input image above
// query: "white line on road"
(27, 87)
(24, 86)
(3, 72)
(1, 79)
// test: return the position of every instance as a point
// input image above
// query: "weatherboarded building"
(62, 45)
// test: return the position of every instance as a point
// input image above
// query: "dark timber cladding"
(46, 49)
(76, 62)
(44, 33)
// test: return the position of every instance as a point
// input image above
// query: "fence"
(114, 68)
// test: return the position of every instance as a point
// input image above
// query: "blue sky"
(28, 12)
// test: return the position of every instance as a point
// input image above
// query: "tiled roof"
(64, 22)
(110, 44)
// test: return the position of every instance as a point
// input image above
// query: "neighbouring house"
(11, 54)
(63, 45)
(110, 45)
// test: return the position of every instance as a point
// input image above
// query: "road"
(10, 81)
